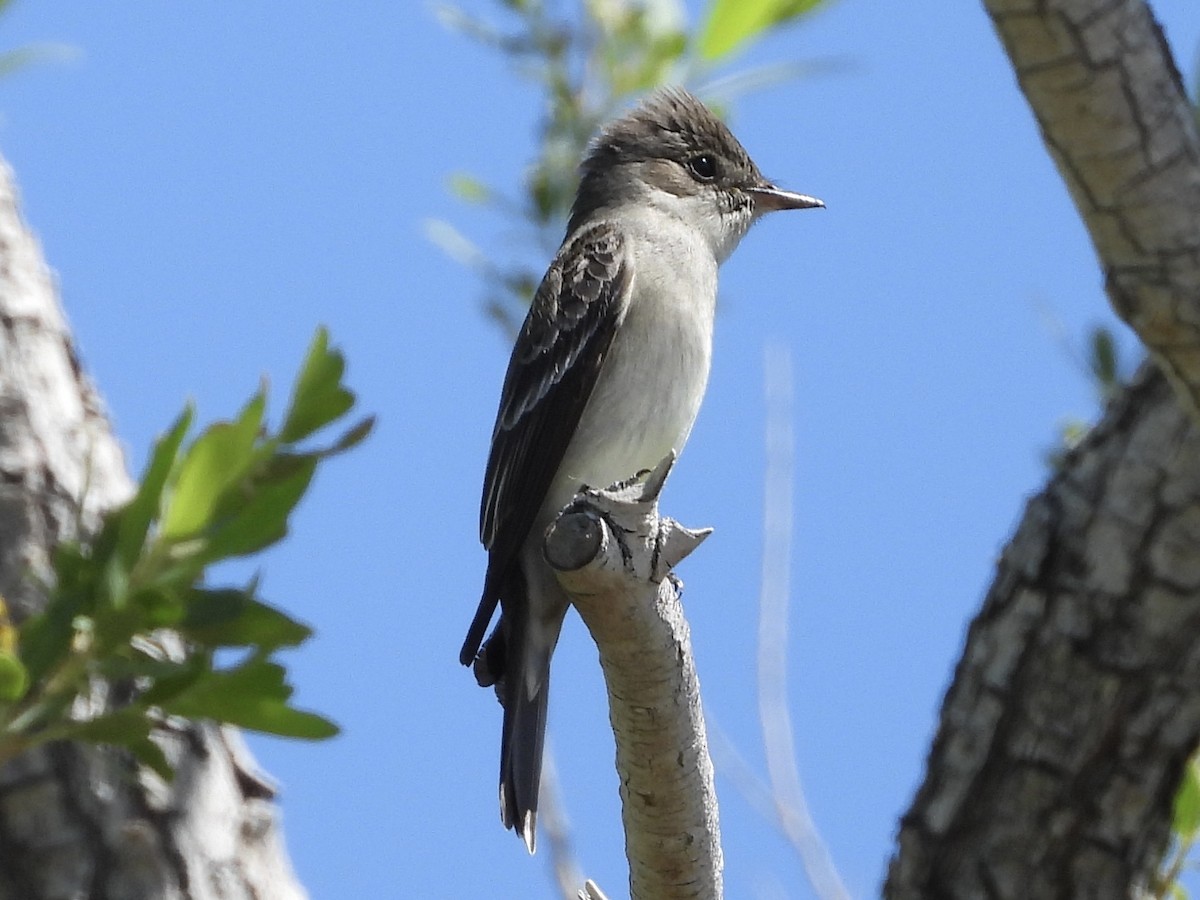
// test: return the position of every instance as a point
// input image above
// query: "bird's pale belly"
(625, 429)
(648, 432)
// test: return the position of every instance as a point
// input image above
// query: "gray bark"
(1077, 700)
(80, 822)
(1115, 118)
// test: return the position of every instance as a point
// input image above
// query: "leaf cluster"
(226, 493)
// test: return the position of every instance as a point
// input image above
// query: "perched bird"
(605, 379)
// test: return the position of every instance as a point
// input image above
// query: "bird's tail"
(526, 696)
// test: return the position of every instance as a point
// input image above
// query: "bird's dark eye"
(703, 167)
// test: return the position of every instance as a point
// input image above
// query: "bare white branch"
(613, 554)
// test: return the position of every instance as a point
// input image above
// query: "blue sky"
(212, 181)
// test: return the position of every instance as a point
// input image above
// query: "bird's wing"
(558, 355)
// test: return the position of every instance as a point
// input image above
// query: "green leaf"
(318, 396)
(352, 438)
(256, 522)
(129, 728)
(252, 695)
(469, 188)
(114, 584)
(157, 608)
(14, 679)
(231, 618)
(1186, 816)
(118, 727)
(168, 684)
(133, 521)
(217, 459)
(266, 715)
(149, 754)
(733, 23)
(14, 60)
(46, 638)
(141, 666)
(111, 629)
(167, 687)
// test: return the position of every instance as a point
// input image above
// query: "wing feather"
(554, 366)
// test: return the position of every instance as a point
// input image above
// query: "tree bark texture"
(1076, 703)
(1115, 117)
(1077, 700)
(83, 822)
(613, 554)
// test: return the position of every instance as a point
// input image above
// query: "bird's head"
(673, 153)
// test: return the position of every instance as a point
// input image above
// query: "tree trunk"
(1077, 700)
(84, 822)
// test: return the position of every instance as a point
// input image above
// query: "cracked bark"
(1115, 117)
(79, 822)
(1077, 699)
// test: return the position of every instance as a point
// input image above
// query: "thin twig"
(556, 829)
(791, 808)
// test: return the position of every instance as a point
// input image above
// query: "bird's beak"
(768, 198)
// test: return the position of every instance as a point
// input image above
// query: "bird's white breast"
(651, 384)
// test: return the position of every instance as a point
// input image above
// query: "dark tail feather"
(520, 669)
(523, 738)
(479, 624)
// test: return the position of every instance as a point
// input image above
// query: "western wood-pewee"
(605, 379)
